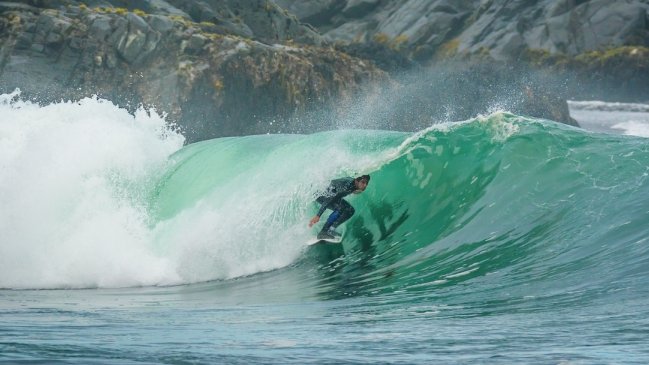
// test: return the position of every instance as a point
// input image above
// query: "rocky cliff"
(596, 48)
(503, 29)
(228, 67)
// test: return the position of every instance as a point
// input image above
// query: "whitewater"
(499, 239)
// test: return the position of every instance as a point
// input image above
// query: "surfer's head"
(361, 183)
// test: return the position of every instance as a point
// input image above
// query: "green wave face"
(237, 206)
(507, 201)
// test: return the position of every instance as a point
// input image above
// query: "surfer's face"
(360, 186)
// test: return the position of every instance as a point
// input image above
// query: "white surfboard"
(316, 241)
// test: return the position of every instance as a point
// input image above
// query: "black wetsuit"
(332, 198)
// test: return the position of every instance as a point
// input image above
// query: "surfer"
(332, 199)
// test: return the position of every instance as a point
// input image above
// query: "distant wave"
(608, 106)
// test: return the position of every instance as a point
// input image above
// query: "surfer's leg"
(346, 211)
(326, 231)
(333, 217)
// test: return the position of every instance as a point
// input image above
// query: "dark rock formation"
(502, 29)
(231, 67)
(566, 48)
(613, 74)
(228, 68)
(449, 92)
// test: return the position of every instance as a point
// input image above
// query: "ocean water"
(500, 239)
(618, 118)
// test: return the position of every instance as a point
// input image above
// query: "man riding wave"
(332, 199)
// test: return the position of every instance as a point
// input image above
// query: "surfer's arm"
(339, 185)
(323, 207)
(328, 202)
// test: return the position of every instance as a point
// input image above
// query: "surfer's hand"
(314, 220)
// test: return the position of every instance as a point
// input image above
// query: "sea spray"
(72, 181)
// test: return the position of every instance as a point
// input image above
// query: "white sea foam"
(69, 215)
(617, 118)
(634, 127)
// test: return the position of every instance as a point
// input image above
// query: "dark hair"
(363, 177)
